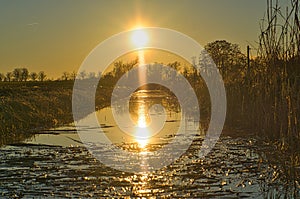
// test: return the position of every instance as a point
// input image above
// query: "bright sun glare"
(142, 134)
(139, 38)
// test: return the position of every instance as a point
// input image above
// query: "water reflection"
(142, 116)
(238, 167)
(32, 171)
(142, 133)
(142, 137)
(145, 106)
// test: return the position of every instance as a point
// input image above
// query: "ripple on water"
(231, 169)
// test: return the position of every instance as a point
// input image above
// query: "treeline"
(22, 74)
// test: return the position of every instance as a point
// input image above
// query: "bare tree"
(82, 75)
(2, 77)
(92, 75)
(99, 74)
(73, 75)
(8, 76)
(65, 76)
(24, 74)
(33, 76)
(41, 76)
(17, 74)
(121, 68)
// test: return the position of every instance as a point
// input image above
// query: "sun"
(139, 38)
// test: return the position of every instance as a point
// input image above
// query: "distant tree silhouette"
(65, 76)
(92, 75)
(24, 74)
(99, 74)
(17, 74)
(33, 76)
(228, 58)
(82, 75)
(8, 76)
(121, 68)
(41, 76)
(73, 75)
(2, 77)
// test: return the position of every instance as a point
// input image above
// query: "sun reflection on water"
(142, 133)
(142, 121)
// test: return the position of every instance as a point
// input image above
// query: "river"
(55, 163)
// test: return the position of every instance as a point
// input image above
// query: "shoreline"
(27, 107)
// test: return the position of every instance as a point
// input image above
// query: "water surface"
(55, 163)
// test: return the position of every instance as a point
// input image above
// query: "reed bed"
(267, 101)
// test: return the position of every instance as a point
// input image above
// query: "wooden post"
(248, 60)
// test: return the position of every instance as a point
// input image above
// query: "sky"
(56, 35)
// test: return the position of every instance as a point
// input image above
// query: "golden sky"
(55, 36)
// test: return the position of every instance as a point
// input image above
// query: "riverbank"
(26, 107)
(29, 107)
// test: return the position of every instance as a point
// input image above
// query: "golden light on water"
(142, 120)
(142, 134)
(140, 38)
(142, 137)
